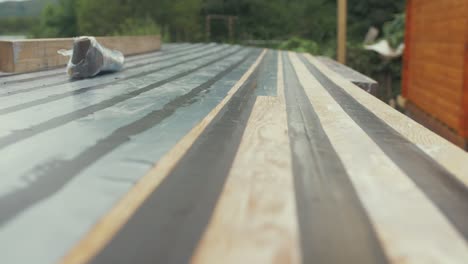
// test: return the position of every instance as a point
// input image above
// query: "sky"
(11, 0)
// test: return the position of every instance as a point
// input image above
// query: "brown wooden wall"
(436, 60)
(465, 87)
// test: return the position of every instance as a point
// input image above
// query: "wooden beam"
(40, 54)
(342, 17)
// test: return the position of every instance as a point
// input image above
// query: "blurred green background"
(299, 25)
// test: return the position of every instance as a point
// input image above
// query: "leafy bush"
(57, 20)
(17, 25)
(300, 45)
(394, 31)
(136, 26)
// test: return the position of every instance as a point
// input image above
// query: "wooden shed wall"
(436, 60)
(465, 87)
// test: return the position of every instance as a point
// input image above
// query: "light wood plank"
(110, 224)
(410, 227)
(448, 155)
(39, 54)
(255, 218)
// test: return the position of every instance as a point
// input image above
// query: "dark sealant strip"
(161, 52)
(170, 56)
(23, 134)
(267, 75)
(53, 177)
(161, 58)
(448, 193)
(169, 224)
(55, 97)
(334, 226)
(155, 54)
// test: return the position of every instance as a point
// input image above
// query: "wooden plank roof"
(210, 153)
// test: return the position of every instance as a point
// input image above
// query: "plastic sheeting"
(89, 58)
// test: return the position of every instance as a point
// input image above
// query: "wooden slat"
(110, 224)
(448, 155)
(255, 218)
(259, 216)
(257, 203)
(39, 54)
(386, 192)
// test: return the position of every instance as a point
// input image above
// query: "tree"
(58, 20)
(184, 19)
(102, 17)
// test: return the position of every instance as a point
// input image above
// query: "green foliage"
(184, 20)
(135, 26)
(364, 61)
(300, 45)
(22, 9)
(17, 25)
(362, 14)
(394, 31)
(58, 20)
(102, 17)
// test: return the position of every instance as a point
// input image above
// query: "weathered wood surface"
(214, 153)
(39, 54)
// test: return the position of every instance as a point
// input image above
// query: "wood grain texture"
(268, 209)
(465, 90)
(454, 159)
(39, 54)
(255, 218)
(434, 64)
(410, 227)
(433, 124)
(6, 56)
(110, 224)
(330, 215)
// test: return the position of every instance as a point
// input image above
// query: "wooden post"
(342, 14)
